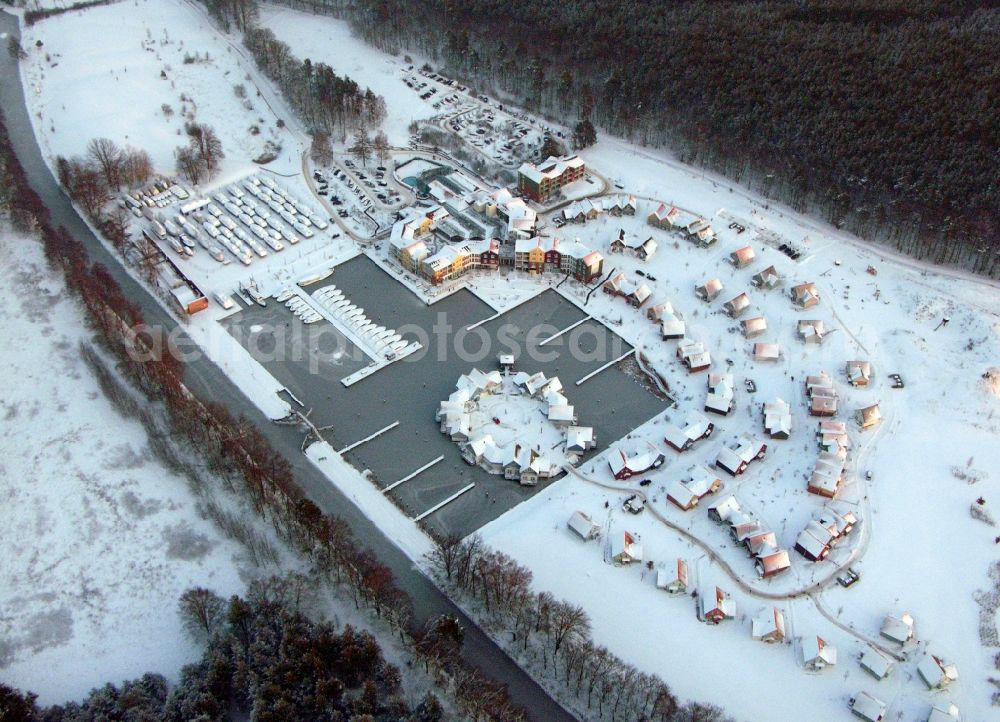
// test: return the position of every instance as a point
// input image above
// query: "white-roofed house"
(696, 427)
(742, 257)
(813, 542)
(475, 450)
(868, 417)
(766, 352)
(943, 712)
(936, 672)
(625, 548)
(584, 526)
(613, 286)
(833, 437)
(767, 279)
(898, 629)
(827, 476)
(805, 295)
(672, 328)
(868, 708)
(716, 606)
(673, 580)
(721, 394)
(702, 481)
(693, 355)
(737, 455)
(639, 295)
(562, 415)
(709, 290)
(666, 217)
(681, 496)
(811, 330)
(724, 509)
(777, 419)
(772, 562)
(753, 327)
(817, 654)
(624, 465)
(579, 439)
(737, 306)
(768, 626)
(657, 311)
(823, 396)
(876, 662)
(859, 373)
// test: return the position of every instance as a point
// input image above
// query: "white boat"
(284, 295)
(399, 346)
(312, 319)
(295, 303)
(254, 293)
(316, 277)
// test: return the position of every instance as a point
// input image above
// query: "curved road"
(209, 382)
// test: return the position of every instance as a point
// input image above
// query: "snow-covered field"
(100, 538)
(325, 40)
(145, 69)
(918, 548)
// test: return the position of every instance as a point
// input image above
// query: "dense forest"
(878, 115)
(263, 658)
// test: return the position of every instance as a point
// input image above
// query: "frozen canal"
(311, 360)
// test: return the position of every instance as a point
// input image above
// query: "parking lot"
(247, 220)
(310, 361)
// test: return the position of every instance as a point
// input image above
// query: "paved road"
(210, 382)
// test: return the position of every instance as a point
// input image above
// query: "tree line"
(557, 635)
(879, 115)
(234, 448)
(326, 102)
(263, 655)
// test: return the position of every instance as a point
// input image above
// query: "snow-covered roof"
(805, 294)
(710, 289)
(681, 495)
(778, 418)
(817, 652)
(868, 416)
(936, 672)
(859, 373)
(943, 712)
(766, 351)
(742, 257)
(579, 438)
(726, 508)
(583, 524)
(868, 707)
(626, 544)
(811, 330)
(773, 562)
(738, 304)
(717, 601)
(899, 629)
(768, 624)
(754, 326)
(876, 661)
(768, 278)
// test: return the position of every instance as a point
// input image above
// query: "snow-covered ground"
(917, 547)
(324, 40)
(145, 68)
(918, 551)
(100, 538)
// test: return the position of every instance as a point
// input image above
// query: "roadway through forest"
(210, 383)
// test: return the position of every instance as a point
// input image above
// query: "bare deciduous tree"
(201, 611)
